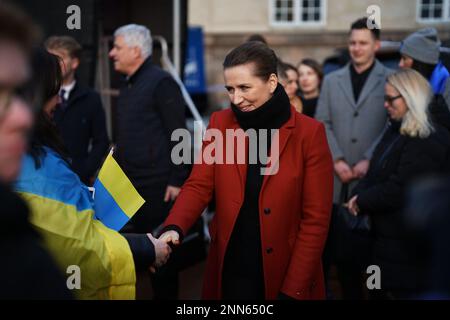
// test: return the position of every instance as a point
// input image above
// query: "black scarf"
(271, 115)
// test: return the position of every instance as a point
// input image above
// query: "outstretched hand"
(170, 236)
(162, 252)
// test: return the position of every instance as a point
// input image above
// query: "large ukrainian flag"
(62, 211)
(115, 198)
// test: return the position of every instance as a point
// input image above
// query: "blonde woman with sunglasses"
(412, 147)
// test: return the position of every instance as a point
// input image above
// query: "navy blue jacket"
(150, 107)
(81, 123)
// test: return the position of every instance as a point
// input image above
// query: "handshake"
(162, 248)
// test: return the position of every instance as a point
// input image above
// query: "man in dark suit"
(150, 108)
(80, 117)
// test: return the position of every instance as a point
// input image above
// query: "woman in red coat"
(271, 218)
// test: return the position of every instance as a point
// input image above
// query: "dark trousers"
(149, 217)
(351, 253)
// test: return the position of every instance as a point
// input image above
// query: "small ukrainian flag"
(115, 198)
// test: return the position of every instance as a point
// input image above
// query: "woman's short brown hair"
(255, 52)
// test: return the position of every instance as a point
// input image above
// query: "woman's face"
(50, 106)
(247, 91)
(308, 79)
(394, 103)
(15, 124)
(405, 62)
(290, 84)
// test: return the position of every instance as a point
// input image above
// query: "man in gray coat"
(351, 107)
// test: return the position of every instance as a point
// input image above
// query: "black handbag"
(360, 223)
(351, 234)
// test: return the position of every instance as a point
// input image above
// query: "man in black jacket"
(150, 108)
(80, 117)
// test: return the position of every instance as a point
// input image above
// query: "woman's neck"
(311, 95)
(271, 115)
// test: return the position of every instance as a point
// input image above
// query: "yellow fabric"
(120, 187)
(103, 255)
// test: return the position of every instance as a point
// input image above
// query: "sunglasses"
(389, 99)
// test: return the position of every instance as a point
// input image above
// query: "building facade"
(297, 29)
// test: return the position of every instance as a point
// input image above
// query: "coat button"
(354, 140)
(356, 114)
(267, 210)
(269, 250)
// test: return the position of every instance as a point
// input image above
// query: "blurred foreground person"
(412, 147)
(27, 270)
(62, 208)
(428, 222)
(270, 226)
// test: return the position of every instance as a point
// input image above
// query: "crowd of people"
(356, 143)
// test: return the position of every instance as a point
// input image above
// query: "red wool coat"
(295, 205)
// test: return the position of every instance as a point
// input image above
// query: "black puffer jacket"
(439, 111)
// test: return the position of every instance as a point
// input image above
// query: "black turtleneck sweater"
(309, 106)
(243, 276)
(359, 79)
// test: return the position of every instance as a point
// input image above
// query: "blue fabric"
(439, 78)
(107, 210)
(54, 180)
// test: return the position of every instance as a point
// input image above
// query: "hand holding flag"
(116, 200)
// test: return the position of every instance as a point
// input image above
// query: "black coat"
(81, 123)
(429, 224)
(398, 161)
(27, 270)
(440, 111)
(150, 108)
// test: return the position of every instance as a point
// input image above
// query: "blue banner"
(194, 69)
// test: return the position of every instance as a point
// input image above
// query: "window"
(433, 10)
(297, 12)
(284, 10)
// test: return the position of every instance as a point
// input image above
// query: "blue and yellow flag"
(62, 211)
(115, 198)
